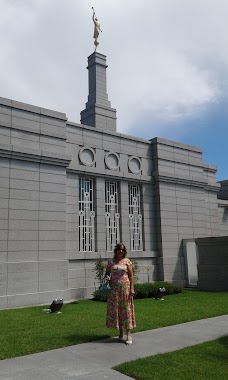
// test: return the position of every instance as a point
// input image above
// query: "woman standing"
(120, 308)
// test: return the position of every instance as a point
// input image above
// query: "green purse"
(104, 288)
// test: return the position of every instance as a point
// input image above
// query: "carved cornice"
(34, 155)
(185, 180)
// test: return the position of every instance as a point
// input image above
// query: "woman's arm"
(108, 271)
(131, 279)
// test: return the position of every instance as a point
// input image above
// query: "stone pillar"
(149, 217)
(98, 111)
(72, 215)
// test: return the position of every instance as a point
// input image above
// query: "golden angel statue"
(97, 29)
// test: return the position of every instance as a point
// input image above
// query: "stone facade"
(213, 263)
(69, 192)
(223, 191)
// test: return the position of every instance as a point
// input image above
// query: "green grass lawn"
(30, 330)
(206, 361)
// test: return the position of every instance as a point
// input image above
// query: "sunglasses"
(120, 249)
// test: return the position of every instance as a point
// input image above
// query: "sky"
(167, 72)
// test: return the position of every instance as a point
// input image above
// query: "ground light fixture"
(56, 305)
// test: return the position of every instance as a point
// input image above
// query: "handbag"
(104, 288)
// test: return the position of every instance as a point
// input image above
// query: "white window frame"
(112, 216)
(135, 217)
(86, 215)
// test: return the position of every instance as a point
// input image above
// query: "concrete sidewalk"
(94, 360)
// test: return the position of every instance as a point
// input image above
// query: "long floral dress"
(120, 308)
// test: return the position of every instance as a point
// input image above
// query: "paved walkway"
(94, 360)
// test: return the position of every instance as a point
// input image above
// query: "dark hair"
(120, 246)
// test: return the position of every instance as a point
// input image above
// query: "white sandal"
(129, 341)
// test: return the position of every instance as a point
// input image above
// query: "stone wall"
(33, 263)
(213, 263)
(39, 199)
(186, 199)
(42, 158)
(223, 192)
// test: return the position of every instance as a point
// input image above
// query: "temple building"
(69, 192)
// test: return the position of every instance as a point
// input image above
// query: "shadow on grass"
(220, 354)
(224, 341)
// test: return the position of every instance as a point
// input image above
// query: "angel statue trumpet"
(97, 29)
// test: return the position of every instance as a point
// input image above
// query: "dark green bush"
(149, 289)
(98, 296)
(142, 290)
(145, 290)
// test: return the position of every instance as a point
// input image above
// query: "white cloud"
(169, 87)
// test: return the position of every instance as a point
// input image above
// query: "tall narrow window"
(86, 215)
(135, 218)
(112, 215)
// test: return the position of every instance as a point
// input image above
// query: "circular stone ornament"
(134, 165)
(112, 161)
(87, 156)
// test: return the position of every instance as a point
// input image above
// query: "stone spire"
(98, 111)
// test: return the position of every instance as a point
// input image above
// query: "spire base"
(98, 111)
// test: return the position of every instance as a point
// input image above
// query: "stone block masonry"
(213, 263)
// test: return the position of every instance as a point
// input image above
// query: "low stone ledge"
(31, 108)
(34, 155)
